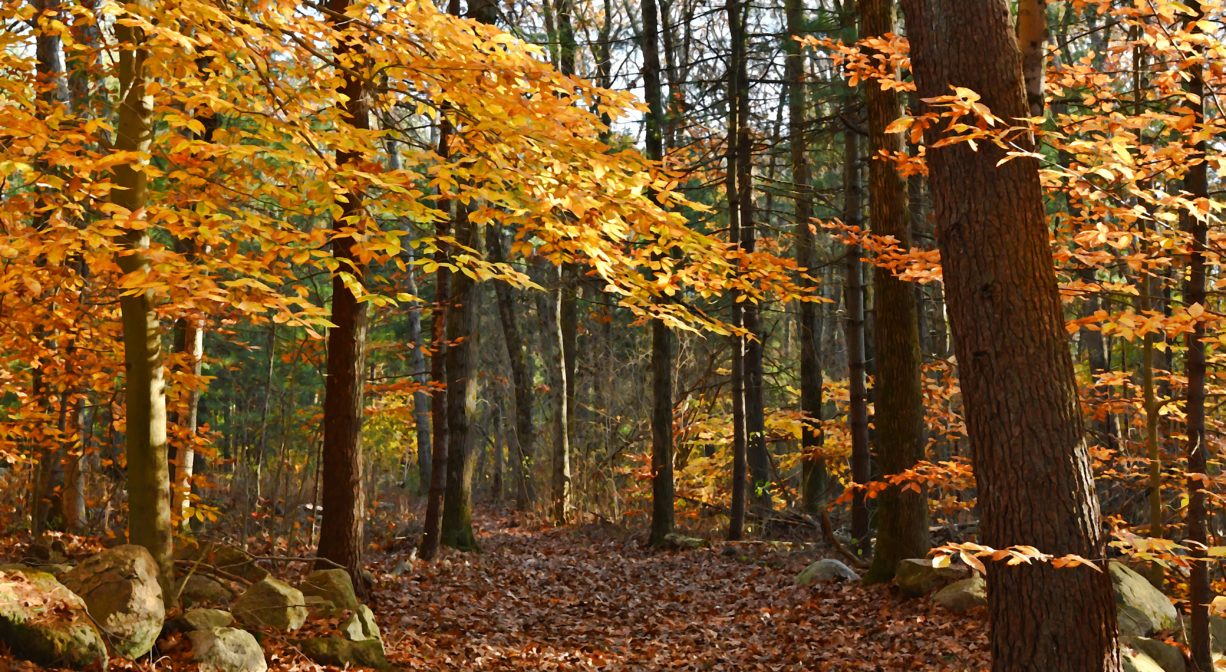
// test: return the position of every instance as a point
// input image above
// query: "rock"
(826, 570)
(342, 652)
(227, 650)
(332, 585)
(680, 542)
(1141, 609)
(120, 589)
(271, 603)
(917, 576)
(206, 619)
(1167, 656)
(198, 589)
(44, 622)
(1217, 634)
(962, 596)
(403, 567)
(49, 551)
(361, 625)
(231, 560)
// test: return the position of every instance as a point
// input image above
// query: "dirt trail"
(592, 599)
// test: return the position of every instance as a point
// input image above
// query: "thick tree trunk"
(902, 512)
(1032, 466)
(341, 532)
(149, 522)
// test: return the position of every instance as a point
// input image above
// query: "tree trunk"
(663, 514)
(565, 319)
(341, 531)
(1032, 467)
(1195, 293)
(149, 522)
(857, 385)
(813, 465)
(736, 519)
(1032, 38)
(521, 377)
(902, 512)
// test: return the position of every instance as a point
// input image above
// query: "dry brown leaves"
(594, 599)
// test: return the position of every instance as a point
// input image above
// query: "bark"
(521, 377)
(755, 411)
(1032, 466)
(736, 518)
(456, 530)
(432, 525)
(813, 465)
(566, 321)
(341, 532)
(1196, 183)
(857, 385)
(663, 513)
(148, 476)
(421, 396)
(1032, 38)
(902, 512)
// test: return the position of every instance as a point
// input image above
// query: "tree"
(1196, 183)
(902, 510)
(1032, 467)
(663, 515)
(149, 520)
(341, 533)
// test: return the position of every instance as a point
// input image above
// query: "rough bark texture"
(341, 531)
(1032, 467)
(902, 513)
(145, 391)
(1195, 292)
(663, 514)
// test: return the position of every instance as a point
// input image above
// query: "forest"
(596, 335)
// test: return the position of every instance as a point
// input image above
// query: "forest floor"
(592, 597)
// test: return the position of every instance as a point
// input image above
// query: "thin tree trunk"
(813, 465)
(663, 514)
(1032, 38)
(902, 511)
(1032, 466)
(736, 519)
(1196, 295)
(341, 532)
(521, 377)
(149, 522)
(857, 385)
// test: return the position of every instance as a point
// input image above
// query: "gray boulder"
(227, 650)
(917, 576)
(342, 652)
(42, 621)
(120, 589)
(333, 585)
(1166, 656)
(200, 590)
(962, 596)
(206, 619)
(230, 560)
(271, 603)
(826, 570)
(1141, 609)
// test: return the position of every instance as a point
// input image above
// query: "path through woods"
(592, 598)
